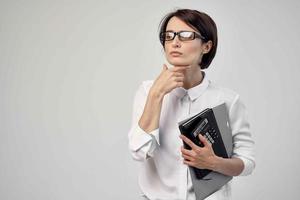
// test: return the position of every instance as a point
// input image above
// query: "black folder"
(213, 124)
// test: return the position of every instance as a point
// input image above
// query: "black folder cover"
(203, 123)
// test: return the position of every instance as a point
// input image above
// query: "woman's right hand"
(169, 79)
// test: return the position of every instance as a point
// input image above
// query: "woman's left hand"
(199, 157)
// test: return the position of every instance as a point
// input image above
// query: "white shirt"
(162, 173)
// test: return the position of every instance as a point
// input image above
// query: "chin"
(178, 62)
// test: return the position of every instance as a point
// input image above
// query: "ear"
(207, 47)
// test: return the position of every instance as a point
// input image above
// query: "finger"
(189, 163)
(189, 158)
(187, 152)
(178, 74)
(189, 142)
(179, 79)
(177, 84)
(204, 140)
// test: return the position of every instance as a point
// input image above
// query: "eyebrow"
(181, 30)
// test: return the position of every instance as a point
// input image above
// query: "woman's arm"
(228, 166)
(144, 133)
(168, 80)
(149, 120)
(205, 158)
(242, 161)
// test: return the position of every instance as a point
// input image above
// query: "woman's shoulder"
(222, 92)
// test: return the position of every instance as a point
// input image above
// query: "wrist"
(216, 163)
(156, 94)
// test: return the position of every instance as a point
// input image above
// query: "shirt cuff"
(154, 144)
(155, 133)
(140, 138)
(248, 166)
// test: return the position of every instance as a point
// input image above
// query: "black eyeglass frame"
(195, 35)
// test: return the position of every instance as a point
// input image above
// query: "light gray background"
(69, 71)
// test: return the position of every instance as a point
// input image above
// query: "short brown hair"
(199, 21)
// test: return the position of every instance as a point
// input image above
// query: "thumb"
(203, 140)
(165, 67)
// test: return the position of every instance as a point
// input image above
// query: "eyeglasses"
(182, 35)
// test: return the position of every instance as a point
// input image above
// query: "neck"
(193, 77)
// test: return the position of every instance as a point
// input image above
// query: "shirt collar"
(193, 92)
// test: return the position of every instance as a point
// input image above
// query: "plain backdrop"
(69, 71)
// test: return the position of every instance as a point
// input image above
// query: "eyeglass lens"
(183, 35)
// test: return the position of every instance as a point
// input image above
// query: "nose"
(176, 42)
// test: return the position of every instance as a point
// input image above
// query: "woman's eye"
(169, 36)
(187, 35)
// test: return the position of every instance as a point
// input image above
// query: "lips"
(175, 53)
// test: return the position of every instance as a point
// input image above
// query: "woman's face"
(190, 52)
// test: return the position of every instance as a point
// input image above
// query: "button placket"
(186, 104)
(183, 113)
(185, 110)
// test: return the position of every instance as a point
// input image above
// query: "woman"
(189, 39)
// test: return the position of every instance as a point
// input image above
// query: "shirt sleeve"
(141, 144)
(243, 144)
